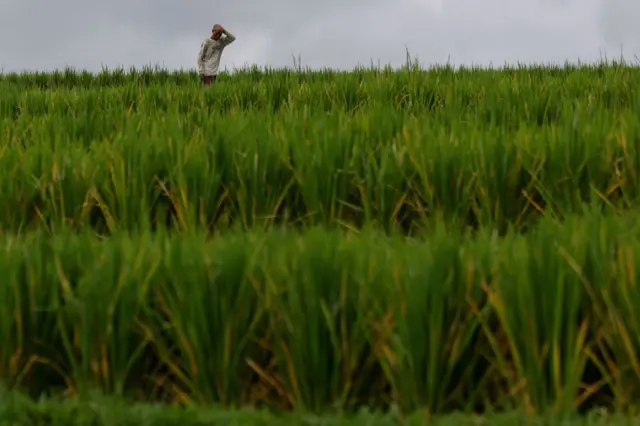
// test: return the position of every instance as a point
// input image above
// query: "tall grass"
(396, 149)
(317, 320)
(148, 248)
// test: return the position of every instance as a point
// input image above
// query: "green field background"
(433, 241)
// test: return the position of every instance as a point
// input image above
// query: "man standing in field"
(210, 53)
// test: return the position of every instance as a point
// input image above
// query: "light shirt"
(211, 52)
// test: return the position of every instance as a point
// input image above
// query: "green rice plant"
(206, 318)
(72, 312)
(31, 305)
(544, 326)
(435, 357)
(617, 351)
(103, 343)
(324, 329)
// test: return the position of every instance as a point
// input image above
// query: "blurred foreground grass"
(97, 410)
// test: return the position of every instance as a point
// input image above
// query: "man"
(210, 53)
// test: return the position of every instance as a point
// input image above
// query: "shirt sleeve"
(228, 38)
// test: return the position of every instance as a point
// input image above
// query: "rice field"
(436, 241)
(393, 149)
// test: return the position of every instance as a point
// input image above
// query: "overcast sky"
(49, 34)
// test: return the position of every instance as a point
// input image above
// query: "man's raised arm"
(228, 37)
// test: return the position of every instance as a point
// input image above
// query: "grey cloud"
(618, 21)
(43, 34)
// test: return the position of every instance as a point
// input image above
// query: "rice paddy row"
(545, 321)
(394, 149)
